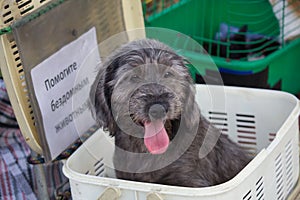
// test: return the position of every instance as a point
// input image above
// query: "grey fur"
(143, 73)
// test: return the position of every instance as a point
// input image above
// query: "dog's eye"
(168, 75)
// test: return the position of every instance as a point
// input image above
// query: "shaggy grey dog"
(145, 97)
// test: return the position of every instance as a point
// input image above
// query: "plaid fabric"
(7, 117)
(16, 174)
(17, 177)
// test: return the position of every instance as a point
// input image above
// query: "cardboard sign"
(62, 84)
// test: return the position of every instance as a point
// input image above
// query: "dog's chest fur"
(188, 170)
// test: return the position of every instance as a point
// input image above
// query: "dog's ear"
(191, 115)
(100, 95)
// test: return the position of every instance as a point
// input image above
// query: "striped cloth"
(16, 173)
(7, 117)
(17, 177)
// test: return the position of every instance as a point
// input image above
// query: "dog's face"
(144, 89)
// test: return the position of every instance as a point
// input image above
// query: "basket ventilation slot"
(279, 177)
(272, 136)
(247, 196)
(260, 189)
(246, 132)
(25, 6)
(7, 14)
(219, 120)
(15, 9)
(289, 166)
(99, 168)
(20, 71)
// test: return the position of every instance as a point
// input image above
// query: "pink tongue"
(156, 138)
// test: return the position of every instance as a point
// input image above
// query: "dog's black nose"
(157, 111)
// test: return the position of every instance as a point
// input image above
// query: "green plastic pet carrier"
(253, 43)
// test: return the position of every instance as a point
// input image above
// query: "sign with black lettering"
(62, 84)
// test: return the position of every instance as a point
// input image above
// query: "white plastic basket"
(263, 121)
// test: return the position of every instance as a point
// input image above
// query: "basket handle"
(154, 196)
(110, 193)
